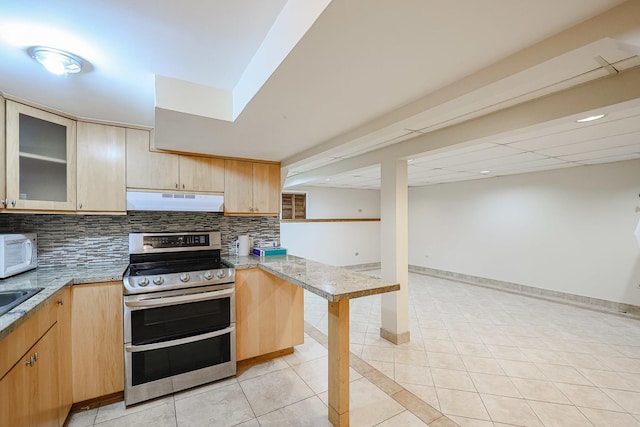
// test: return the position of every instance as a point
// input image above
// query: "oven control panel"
(140, 243)
(176, 241)
(169, 281)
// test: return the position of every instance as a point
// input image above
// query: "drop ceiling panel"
(472, 157)
(592, 155)
(539, 168)
(454, 176)
(490, 164)
(423, 172)
(450, 152)
(610, 159)
(596, 144)
(580, 133)
(528, 166)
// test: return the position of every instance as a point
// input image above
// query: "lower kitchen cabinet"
(269, 313)
(97, 340)
(32, 391)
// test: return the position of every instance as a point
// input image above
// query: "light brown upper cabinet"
(40, 159)
(171, 172)
(201, 174)
(251, 188)
(149, 169)
(101, 168)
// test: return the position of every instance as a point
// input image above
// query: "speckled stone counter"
(331, 283)
(51, 280)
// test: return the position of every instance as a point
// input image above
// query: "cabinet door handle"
(61, 301)
(5, 202)
(80, 205)
(35, 356)
(176, 185)
(28, 362)
(183, 186)
(13, 203)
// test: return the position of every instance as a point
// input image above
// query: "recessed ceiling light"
(327, 179)
(56, 61)
(591, 118)
(485, 172)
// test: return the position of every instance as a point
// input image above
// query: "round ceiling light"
(56, 61)
(590, 118)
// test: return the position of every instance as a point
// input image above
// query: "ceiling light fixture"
(590, 118)
(485, 172)
(56, 61)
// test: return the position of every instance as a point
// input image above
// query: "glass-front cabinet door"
(40, 159)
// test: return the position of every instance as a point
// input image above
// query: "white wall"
(336, 243)
(569, 230)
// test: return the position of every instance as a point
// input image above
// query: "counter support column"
(339, 363)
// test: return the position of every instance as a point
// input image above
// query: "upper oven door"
(168, 316)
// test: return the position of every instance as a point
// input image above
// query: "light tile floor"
(480, 356)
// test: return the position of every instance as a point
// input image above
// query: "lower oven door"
(176, 340)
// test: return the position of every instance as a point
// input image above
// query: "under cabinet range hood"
(181, 202)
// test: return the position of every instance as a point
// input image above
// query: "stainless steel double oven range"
(179, 314)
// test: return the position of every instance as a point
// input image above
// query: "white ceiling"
(355, 75)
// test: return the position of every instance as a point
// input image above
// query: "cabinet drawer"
(26, 335)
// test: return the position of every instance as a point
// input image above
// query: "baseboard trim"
(244, 364)
(397, 339)
(363, 267)
(607, 306)
(108, 399)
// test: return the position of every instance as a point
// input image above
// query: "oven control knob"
(158, 280)
(184, 277)
(143, 282)
(208, 275)
(221, 274)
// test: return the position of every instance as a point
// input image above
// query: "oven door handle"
(182, 299)
(155, 346)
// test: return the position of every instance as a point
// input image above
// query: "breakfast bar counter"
(336, 285)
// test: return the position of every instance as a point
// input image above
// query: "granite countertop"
(331, 283)
(51, 279)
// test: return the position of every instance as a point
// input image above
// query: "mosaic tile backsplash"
(78, 240)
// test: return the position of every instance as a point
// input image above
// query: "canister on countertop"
(243, 245)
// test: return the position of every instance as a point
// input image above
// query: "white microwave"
(18, 253)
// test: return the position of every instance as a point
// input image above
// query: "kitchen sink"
(10, 299)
